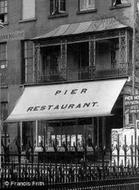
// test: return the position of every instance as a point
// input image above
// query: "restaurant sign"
(71, 100)
(131, 104)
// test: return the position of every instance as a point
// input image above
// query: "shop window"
(119, 2)
(3, 11)
(57, 7)
(70, 140)
(64, 134)
(27, 66)
(86, 4)
(28, 9)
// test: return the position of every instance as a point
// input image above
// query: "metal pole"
(36, 139)
(133, 71)
(1, 26)
(21, 134)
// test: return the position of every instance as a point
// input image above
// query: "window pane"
(119, 2)
(57, 6)
(124, 1)
(82, 4)
(87, 4)
(28, 9)
(3, 56)
(3, 6)
(62, 5)
(3, 63)
(91, 4)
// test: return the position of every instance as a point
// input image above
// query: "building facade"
(74, 50)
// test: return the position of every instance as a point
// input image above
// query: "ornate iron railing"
(27, 169)
(87, 73)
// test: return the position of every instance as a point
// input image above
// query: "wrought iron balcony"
(87, 73)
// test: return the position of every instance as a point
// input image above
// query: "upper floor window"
(3, 63)
(3, 11)
(57, 6)
(28, 9)
(86, 4)
(3, 55)
(119, 2)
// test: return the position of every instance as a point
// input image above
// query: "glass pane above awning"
(83, 27)
(69, 100)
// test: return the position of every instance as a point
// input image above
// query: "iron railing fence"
(19, 170)
(68, 176)
(112, 168)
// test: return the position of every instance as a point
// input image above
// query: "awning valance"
(70, 100)
(83, 27)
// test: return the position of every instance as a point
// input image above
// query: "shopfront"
(69, 117)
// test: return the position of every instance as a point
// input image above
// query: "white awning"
(70, 100)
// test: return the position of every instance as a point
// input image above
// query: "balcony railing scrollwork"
(84, 73)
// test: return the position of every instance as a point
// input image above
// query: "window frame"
(4, 10)
(22, 13)
(87, 8)
(3, 52)
(122, 4)
(59, 6)
(3, 63)
(55, 7)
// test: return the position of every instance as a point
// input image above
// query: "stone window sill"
(58, 15)
(86, 11)
(120, 6)
(27, 20)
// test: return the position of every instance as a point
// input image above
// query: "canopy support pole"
(36, 129)
(103, 132)
(98, 132)
(21, 134)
